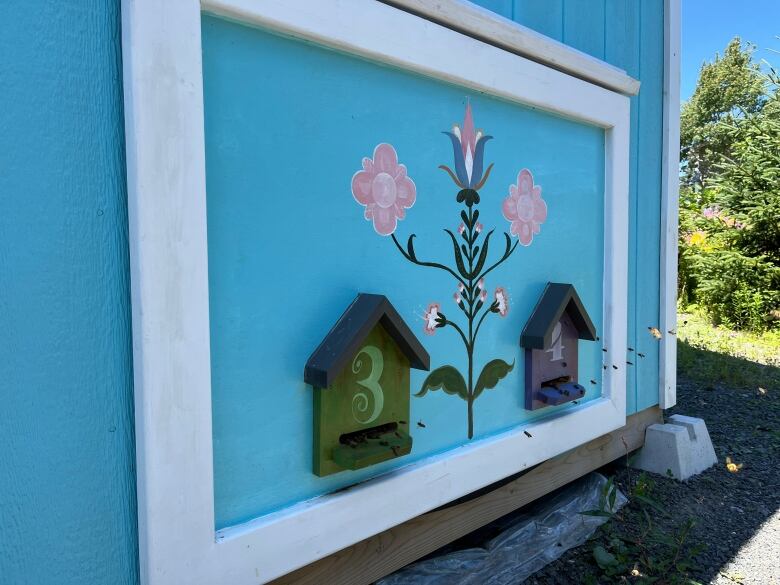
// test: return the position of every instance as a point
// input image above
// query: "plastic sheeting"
(527, 541)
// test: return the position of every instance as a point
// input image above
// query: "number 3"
(371, 383)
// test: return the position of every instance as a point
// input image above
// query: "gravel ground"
(736, 513)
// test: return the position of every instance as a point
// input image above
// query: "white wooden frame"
(670, 184)
(169, 288)
(486, 25)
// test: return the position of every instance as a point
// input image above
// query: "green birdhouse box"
(360, 375)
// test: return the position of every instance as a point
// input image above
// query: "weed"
(632, 546)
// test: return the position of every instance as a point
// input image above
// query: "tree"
(747, 183)
(729, 88)
(730, 201)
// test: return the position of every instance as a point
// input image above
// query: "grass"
(758, 354)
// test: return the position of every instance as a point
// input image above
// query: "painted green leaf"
(410, 248)
(482, 256)
(458, 256)
(493, 372)
(445, 378)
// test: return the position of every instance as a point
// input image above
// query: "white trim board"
(169, 266)
(483, 24)
(670, 185)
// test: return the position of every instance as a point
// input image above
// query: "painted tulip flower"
(525, 208)
(468, 147)
(383, 188)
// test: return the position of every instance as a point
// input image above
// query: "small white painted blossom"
(503, 301)
(430, 317)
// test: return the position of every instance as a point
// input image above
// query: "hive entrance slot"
(366, 447)
(559, 391)
(555, 382)
(363, 436)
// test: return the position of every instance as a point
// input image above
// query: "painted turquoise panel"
(502, 7)
(67, 478)
(629, 35)
(648, 200)
(287, 125)
(583, 26)
(544, 16)
(622, 50)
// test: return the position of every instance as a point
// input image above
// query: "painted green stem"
(464, 273)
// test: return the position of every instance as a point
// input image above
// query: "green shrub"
(736, 290)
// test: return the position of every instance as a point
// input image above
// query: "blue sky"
(708, 26)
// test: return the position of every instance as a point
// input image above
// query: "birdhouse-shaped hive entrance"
(360, 374)
(551, 339)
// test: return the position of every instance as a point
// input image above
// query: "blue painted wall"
(286, 128)
(67, 497)
(628, 34)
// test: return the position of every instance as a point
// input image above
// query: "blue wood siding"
(628, 34)
(67, 480)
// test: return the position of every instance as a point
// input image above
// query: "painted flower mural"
(385, 191)
(383, 188)
(525, 208)
(468, 148)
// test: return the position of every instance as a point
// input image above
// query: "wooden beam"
(478, 22)
(380, 555)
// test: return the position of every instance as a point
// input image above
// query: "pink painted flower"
(478, 227)
(502, 302)
(431, 318)
(525, 208)
(383, 188)
(461, 288)
(461, 229)
(483, 296)
(481, 284)
(458, 298)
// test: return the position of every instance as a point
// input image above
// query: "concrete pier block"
(680, 448)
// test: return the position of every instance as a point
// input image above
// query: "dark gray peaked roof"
(341, 343)
(556, 298)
